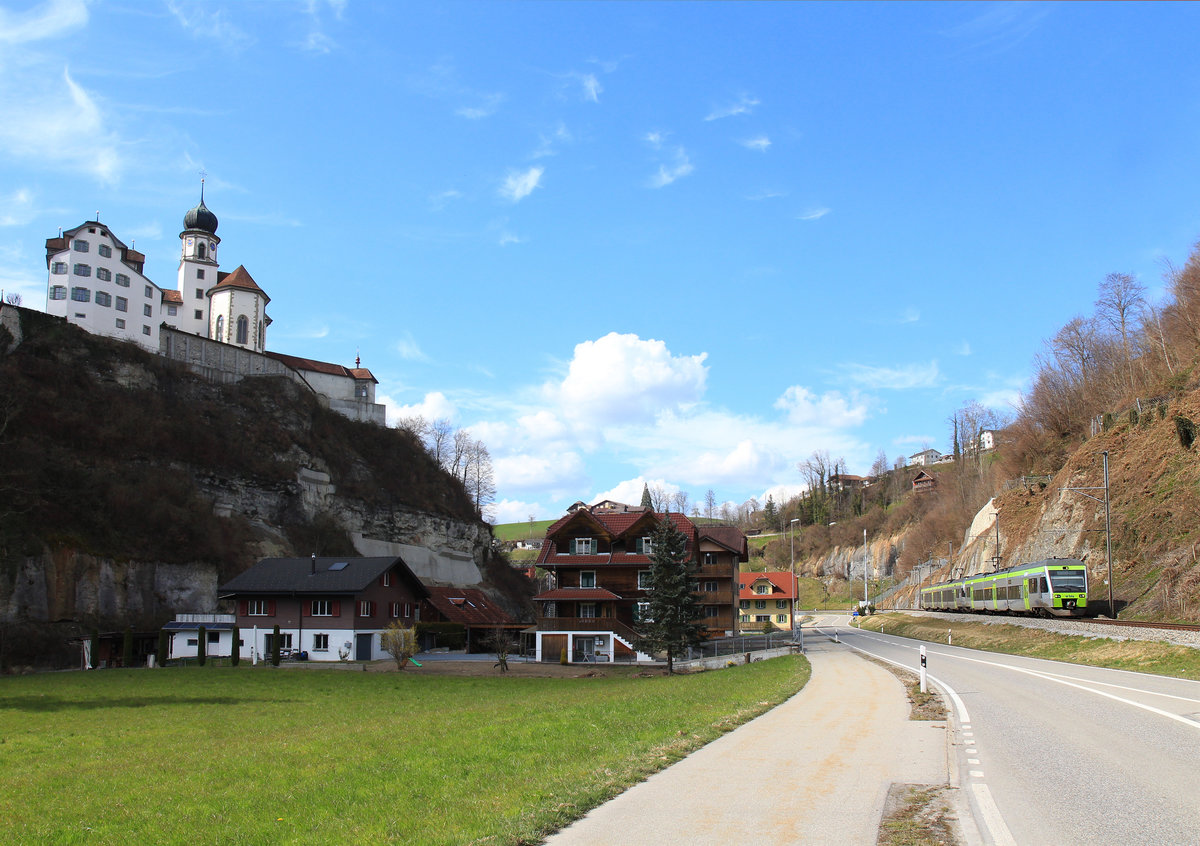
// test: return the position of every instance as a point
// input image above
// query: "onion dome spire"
(199, 217)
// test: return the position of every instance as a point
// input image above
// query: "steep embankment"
(130, 488)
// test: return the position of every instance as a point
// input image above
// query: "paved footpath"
(815, 770)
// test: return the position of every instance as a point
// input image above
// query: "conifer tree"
(669, 624)
(647, 503)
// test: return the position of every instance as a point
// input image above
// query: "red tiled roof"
(173, 297)
(781, 585)
(362, 373)
(297, 363)
(578, 593)
(730, 537)
(469, 606)
(240, 278)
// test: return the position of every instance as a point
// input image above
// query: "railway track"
(1178, 627)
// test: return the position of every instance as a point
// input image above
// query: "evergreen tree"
(669, 624)
(647, 503)
(202, 646)
(769, 510)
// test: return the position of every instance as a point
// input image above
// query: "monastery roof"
(173, 297)
(240, 278)
(314, 366)
(470, 606)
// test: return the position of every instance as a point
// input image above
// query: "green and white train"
(1054, 587)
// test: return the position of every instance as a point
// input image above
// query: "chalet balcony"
(586, 624)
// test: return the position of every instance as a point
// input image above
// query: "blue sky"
(683, 243)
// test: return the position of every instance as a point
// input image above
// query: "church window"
(149, 291)
(172, 310)
(123, 280)
(220, 327)
(79, 245)
(105, 250)
(103, 274)
(59, 267)
(200, 248)
(103, 299)
(120, 323)
(147, 311)
(82, 270)
(197, 315)
(199, 293)
(145, 330)
(199, 272)
(243, 329)
(81, 295)
(261, 336)
(122, 304)
(58, 292)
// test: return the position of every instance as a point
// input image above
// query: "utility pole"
(866, 555)
(1107, 527)
(795, 584)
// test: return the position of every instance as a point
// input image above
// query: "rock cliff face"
(130, 489)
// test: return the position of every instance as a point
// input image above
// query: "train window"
(1068, 581)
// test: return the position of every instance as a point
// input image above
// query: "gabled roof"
(781, 585)
(585, 594)
(240, 278)
(614, 525)
(730, 537)
(469, 606)
(333, 575)
(172, 297)
(314, 366)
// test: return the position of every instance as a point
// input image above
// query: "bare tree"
(710, 503)
(439, 437)
(680, 501)
(880, 466)
(479, 477)
(1122, 299)
(13, 299)
(660, 500)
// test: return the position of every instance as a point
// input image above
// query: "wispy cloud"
(759, 144)
(440, 82)
(548, 143)
(964, 348)
(507, 238)
(766, 194)
(744, 105)
(49, 20)
(813, 214)
(16, 209)
(895, 378)
(1000, 26)
(520, 184)
(908, 315)
(407, 348)
(488, 106)
(655, 138)
(591, 87)
(200, 20)
(678, 168)
(442, 199)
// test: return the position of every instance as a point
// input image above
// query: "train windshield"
(1068, 581)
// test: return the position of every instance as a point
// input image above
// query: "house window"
(285, 642)
(105, 250)
(196, 315)
(146, 310)
(103, 274)
(644, 546)
(745, 603)
(762, 618)
(122, 304)
(710, 611)
(81, 295)
(172, 310)
(123, 280)
(243, 329)
(213, 637)
(320, 643)
(59, 267)
(760, 604)
(781, 603)
(199, 272)
(365, 608)
(257, 608)
(145, 330)
(103, 299)
(200, 249)
(192, 641)
(408, 609)
(120, 323)
(643, 580)
(762, 588)
(220, 326)
(322, 608)
(781, 618)
(710, 587)
(58, 292)
(79, 245)
(199, 293)
(394, 609)
(582, 546)
(587, 579)
(149, 291)
(587, 609)
(387, 579)
(82, 270)
(641, 613)
(745, 618)
(710, 558)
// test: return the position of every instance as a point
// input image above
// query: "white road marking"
(975, 773)
(973, 761)
(992, 820)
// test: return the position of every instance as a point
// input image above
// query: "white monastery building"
(98, 283)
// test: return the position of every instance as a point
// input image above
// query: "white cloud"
(408, 348)
(780, 493)
(630, 490)
(507, 238)
(517, 511)
(49, 20)
(16, 209)
(489, 105)
(681, 167)
(830, 409)
(520, 184)
(964, 348)
(744, 105)
(909, 315)
(622, 378)
(655, 138)
(541, 471)
(201, 21)
(442, 199)
(547, 144)
(767, 194)
(591, 87)
(759, 144)
(434, 406)
(813, 214)
(895, 378)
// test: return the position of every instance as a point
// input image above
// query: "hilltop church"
(98, 283)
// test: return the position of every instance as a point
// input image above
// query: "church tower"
(197, 267)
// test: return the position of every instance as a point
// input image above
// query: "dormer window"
(762, 588)
(583, 546)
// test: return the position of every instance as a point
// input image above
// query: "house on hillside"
(925, 457)
(325, 607)
(471, 608)
(847, 482)
(924, 483)
(766, 598)
(988, 438)
(599, 559)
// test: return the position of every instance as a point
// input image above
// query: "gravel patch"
(1083, 628)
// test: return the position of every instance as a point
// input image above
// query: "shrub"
(202, 646)
(1133, 417)
(1186, 430)
(562, 656)
(400, 642)
(1107, 421)
(235, 651)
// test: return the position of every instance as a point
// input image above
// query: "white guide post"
(923, 689)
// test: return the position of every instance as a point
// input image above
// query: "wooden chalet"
(924, 482)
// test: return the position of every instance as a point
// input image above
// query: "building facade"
(766, 598)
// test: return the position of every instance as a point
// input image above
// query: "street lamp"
(795, 587)
(866, 555)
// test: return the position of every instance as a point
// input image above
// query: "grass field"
(521, 531)
(259, 755)
(1164, 659)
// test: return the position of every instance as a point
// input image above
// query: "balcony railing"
(205, 618)
(586, 624)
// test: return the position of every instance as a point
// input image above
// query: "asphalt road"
(1053, 753)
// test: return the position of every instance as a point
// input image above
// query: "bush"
(400, 642)
(1133, 417)
(235, 651)
(1186, 430)
(202, 646)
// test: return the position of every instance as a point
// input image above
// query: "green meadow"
(260, 755)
